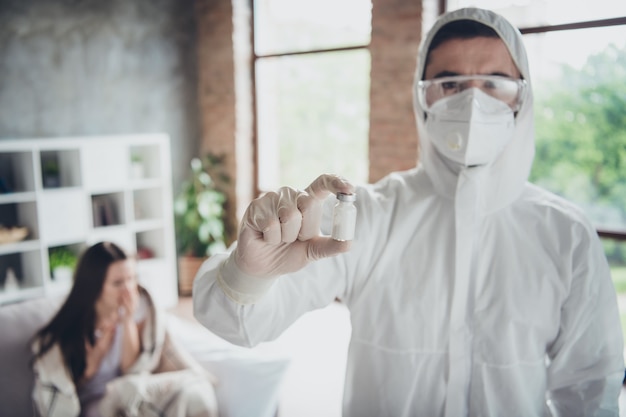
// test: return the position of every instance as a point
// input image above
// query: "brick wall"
(216, 90)
(216, 76)
(396, 33)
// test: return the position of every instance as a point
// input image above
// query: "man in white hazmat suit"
(471, 292)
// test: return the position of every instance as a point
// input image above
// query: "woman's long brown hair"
(74, 323)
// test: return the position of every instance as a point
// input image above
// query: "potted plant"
(136, 166)
(51, 173)
(62, 263)
(199, 217)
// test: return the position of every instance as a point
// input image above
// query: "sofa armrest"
(18, 324)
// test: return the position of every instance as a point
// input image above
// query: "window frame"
(255, 58)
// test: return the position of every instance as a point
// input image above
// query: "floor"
(317, 346)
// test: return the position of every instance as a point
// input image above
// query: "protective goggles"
(508, 90)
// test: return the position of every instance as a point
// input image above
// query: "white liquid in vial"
(344, 217)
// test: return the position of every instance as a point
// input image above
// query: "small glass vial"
(344, 217)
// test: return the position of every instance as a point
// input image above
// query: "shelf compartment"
(62, 262)
(20, 215)
(107, 210)
(16, 172)
(147, 204)
(151, 244)
(148, 157)
(26, 267)
(60, 168)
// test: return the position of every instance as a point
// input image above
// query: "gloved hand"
(280, 232)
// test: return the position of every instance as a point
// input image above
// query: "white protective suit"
(471, 293)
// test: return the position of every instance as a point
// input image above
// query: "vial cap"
(346, 197)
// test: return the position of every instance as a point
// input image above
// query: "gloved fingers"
(327, 184)
(275, 216)
(262, 219)
(311, 210)
(288, 214)
(323, 247)
(280, 230)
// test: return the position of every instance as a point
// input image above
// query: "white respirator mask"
(471, 127)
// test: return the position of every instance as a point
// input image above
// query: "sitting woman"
(106, 352)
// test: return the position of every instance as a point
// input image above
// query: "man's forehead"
(478, 55)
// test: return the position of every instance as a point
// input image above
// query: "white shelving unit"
(97, 193)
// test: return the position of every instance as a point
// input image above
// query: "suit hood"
(501, 181)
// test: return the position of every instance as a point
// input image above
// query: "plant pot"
(137, 171)
(51, 181)
(63, 275)
(188, 267)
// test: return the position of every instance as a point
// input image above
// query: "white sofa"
(248, 385)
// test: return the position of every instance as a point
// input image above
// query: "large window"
(577, 54)
(312, 71)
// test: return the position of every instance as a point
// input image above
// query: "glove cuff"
(239, 286)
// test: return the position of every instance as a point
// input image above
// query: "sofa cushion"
(249, 380)
(18, 324)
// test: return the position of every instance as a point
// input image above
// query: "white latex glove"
(279, 234)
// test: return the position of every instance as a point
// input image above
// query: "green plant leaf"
(199, 211)
(61, 256)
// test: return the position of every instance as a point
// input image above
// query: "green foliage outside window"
(581, 140)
